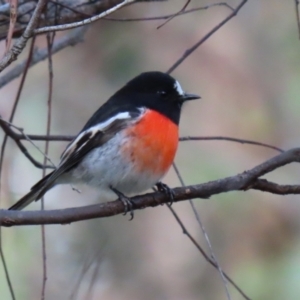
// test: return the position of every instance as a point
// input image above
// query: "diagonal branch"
(244, 181)
(59, 12)
(18, 47)
(70, 39)
(189, 51)
(85, 21)
(9, 132)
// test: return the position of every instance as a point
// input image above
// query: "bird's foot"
(128, 205)
(163, 188)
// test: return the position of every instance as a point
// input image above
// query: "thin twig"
(278, 189)
(12, 22)
(204, 254)
(53, 138)
(70, 39)
(67, 138)
(18, 47)
(21, 147)
(297, 16)
(230, 139)
(7, 277)
(83, 22)
(16, 102)
(84, 269)
(188, 11)
(5, 125)
(189, 51)
(50, 39)
(176, 14)
(197, 216)
(89, 293)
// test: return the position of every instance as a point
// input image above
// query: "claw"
(128, 205)
(163, 188)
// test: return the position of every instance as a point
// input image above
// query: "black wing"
(86, 141)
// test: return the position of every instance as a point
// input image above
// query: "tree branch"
(70, 39)
(189, 51)
(244, 181)
(59, 12)
(84, 21)
(18, 47)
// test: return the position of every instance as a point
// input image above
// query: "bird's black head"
(157, 91)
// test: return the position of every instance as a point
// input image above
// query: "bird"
(128, 144)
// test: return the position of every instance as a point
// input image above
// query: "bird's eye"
(162, 93)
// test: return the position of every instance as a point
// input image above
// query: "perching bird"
(127, 146)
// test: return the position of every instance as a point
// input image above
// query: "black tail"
(36, 193)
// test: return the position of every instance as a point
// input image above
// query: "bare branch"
(9, 132)
(70, 39)
(165, 17)
(297, 16)
(198, 219)
(12, 22)
(204, 254)
(59, 12)
(274, 188)
(230, 139)
(243, 181)
(176, 14)
(189, 51)
(18, 47)
(68, 138)
(85, 21)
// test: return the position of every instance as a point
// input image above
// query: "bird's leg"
(163, 188)
(128, 205)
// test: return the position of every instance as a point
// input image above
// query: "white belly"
(103, 167)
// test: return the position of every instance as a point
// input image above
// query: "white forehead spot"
(178, 88)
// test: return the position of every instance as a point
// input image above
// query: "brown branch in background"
(68, 138)
(58, 12)
(12, 22)
(241, 182)
(17, 137)
(49, 38)
(83, 22)
(230, 139)
(71, 39)
(165, 17)
(14, 108)
(36, 137)
(22, 136)
(189, 51)
(21, 147)
(90, 291)
(175, 15)
(204, 254)
(20, 44)
(31, 159)
(274, 188)
(212, 254)
(297, 16)
(86, 265)
(9, 132)
(6, 273)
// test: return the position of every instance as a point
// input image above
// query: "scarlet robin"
(127, 146)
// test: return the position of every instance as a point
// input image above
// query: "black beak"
(187, 97)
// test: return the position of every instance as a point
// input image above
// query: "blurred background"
(248, 74)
